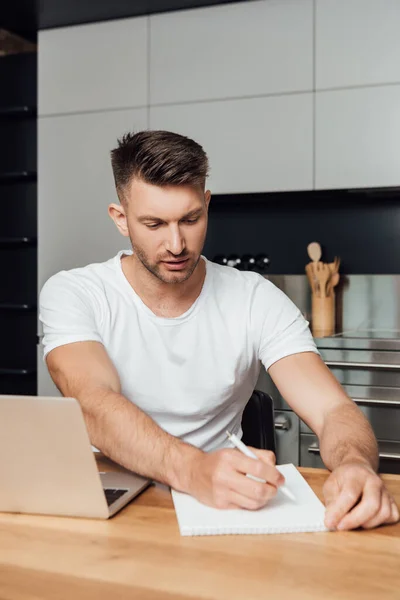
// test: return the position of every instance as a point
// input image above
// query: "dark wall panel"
(363, 231)
(60, 13)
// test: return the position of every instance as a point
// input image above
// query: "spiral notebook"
(280, 515)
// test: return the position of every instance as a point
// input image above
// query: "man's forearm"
(348, 437)
(131, 438)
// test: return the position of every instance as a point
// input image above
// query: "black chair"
(258, 422)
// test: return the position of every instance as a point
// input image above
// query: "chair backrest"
(258, 422)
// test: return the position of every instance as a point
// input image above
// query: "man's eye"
(153, 225)
(191, 220)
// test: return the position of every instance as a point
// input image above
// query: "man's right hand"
(219, 479)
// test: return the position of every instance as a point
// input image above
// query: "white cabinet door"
(358, 137)
(93, 67)
(235, 50)
(254, 145)
(357, 42)
(75, 187)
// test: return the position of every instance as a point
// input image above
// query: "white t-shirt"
(192, 374)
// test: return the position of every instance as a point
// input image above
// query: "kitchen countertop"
(140, 554)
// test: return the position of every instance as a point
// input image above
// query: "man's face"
(167, 228)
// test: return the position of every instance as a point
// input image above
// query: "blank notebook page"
(280, 515)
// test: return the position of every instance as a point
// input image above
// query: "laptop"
(47, 465)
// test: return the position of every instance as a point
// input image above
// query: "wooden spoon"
(314, 251)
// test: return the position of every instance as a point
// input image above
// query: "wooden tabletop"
(140, 554)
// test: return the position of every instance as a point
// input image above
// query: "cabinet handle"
(314, 449)
(282, 422)
(357, 365)
(376, 402)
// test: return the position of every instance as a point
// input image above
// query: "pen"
(243, 448)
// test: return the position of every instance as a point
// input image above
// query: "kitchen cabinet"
(358, 138)
(93, 67)
(243, 49)
(75, 187)
(254, 145)
(357, 42)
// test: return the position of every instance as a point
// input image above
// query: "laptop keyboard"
(113, 495)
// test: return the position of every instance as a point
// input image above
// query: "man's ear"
(117, 214)
(207, 197)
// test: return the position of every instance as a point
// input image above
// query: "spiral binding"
(253, 530)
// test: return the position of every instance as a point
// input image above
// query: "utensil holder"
(323, 315)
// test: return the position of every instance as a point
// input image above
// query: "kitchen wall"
(284, 96)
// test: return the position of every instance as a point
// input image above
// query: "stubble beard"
(155, 269)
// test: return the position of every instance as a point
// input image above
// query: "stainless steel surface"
(282, 422)
(287, 440)
(363, 339)
(362, 301)
(362, 365)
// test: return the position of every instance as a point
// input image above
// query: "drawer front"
(309, 458)
(367, 377)
(287, 432)
(389, 454)
(361, 359)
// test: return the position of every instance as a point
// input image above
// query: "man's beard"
(155, 269)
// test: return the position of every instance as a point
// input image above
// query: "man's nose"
(175, 242)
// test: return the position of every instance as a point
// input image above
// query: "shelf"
(17, 242)
(17, 307)
(16, 112)
(17, 372)
(18, 177)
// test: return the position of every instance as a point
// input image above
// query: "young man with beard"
(162, 348)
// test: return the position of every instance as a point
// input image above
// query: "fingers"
(375, 507)
(258, 493)
(237, 500)
(388, 512)
(263, 469)
(338, 507)
(368, 508)
(265, 455)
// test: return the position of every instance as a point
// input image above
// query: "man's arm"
(124, 433)
(317, 397)
(347, 442)
(115, 425)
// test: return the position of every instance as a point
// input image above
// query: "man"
(163, 348)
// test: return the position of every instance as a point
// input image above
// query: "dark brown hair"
(159, 158)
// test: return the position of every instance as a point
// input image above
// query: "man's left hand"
(355, 496)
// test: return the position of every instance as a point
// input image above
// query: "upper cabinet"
(253, 145)
(93, 67)
(357, 42)
(231, 51)
(358, 137)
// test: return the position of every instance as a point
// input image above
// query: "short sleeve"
(285, 331)
(67, 312)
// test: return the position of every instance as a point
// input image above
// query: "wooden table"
(140, 554)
